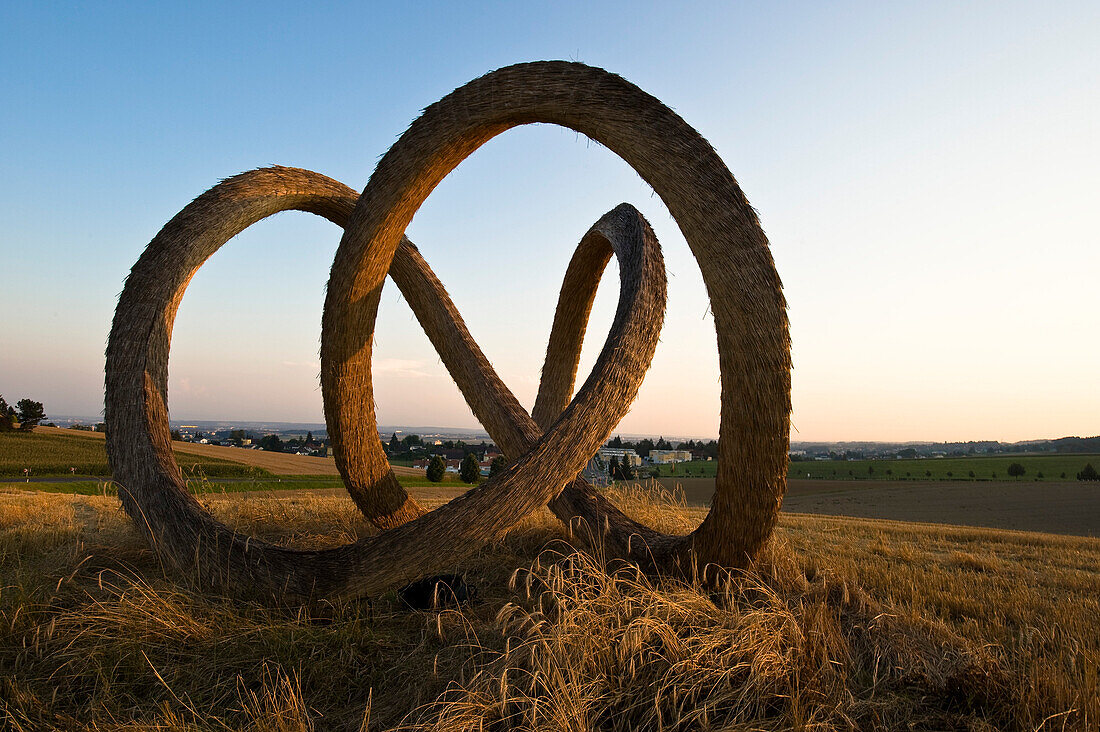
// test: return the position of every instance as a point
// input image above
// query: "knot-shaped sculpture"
(549, 447)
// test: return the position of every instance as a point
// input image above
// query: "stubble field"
(842, 624)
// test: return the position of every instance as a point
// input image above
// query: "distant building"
(662, 457)
(452, 466)
(632, 458)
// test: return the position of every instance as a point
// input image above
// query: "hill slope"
(55, 450)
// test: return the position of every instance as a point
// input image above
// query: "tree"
(30, 413)
(613, 468)
(395, 444)
(1016, 470)
(498, 465)
(1089, 473)
(309, 437)
(436, 469)
(7, 416)
(626, 469)
(469, 470)
(271, 443)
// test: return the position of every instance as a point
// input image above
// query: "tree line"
(27, 413)
(644, 447)
(469, 470)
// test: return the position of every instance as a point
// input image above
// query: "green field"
(1037, 467)
(55, 454)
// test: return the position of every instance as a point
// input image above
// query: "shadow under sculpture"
(548, 447)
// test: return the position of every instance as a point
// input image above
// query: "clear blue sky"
(927, 174)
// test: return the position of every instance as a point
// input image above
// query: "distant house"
(422, 464)
(663, 457)
(632, 458)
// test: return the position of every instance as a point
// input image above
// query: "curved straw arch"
(720, 227)
(153, 491)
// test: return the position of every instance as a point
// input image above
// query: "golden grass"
(842, 624)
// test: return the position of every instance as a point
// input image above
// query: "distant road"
(1053, 508)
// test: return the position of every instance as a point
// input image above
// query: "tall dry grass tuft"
(587, 648)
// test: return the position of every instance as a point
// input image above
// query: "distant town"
(622, 457)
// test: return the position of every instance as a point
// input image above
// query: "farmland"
(1036, 467)
(53, 451)
(199, 484)
(844, 623)
(58, 452)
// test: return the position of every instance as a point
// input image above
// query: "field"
(449, 487)
(1060, 508)
(1037, 467)
(52, 451)
(844, 623)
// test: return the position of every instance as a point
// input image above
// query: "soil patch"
(1053, 508)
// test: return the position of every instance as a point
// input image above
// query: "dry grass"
(842, 624)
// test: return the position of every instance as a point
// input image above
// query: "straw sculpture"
(549, 447)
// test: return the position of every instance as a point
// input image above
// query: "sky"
(927, 174)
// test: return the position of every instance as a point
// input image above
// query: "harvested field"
(277, 463)
(844, 623)
(1055, 508)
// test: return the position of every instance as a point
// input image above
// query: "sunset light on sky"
(927, 175)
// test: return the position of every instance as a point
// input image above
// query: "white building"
(632, 458)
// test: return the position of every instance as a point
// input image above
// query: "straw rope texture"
(548, 447)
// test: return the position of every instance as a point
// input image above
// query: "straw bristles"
(547, 450)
